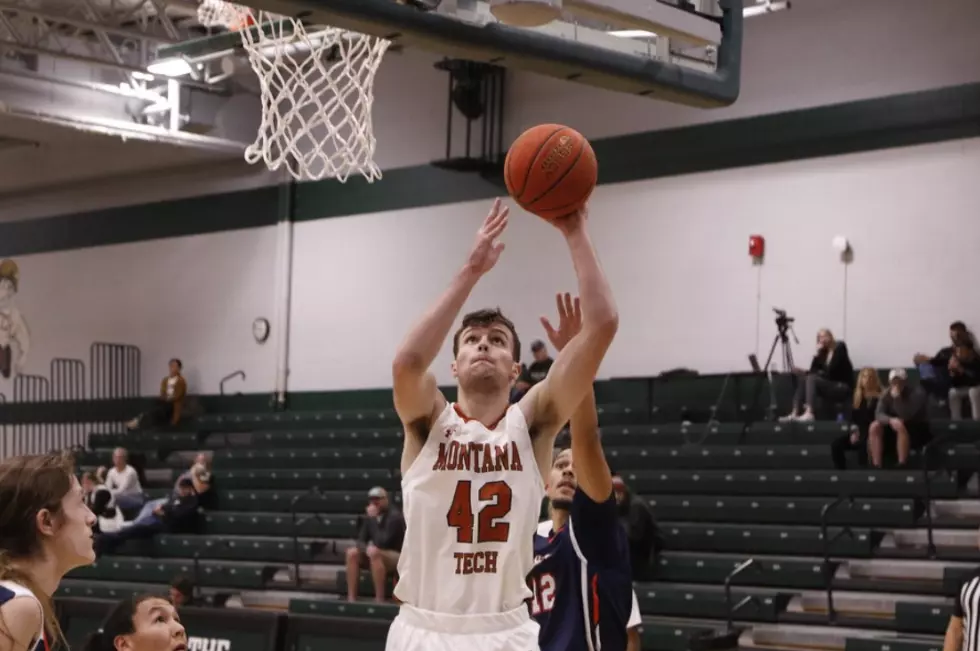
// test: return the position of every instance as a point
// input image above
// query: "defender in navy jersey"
(583, 593)
(581, 580)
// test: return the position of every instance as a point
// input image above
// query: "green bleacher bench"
(113, 590)
(694, 398)
(679, 567)
(911, 617)
(281, 523)
(787, 483)
(780, 510)
(953, 578)
(286, 501)
(365, 585)
(232, 548)
(674, 636)
(158, 570)
(617, 414)
(763, 539)
(143, 441)
(362, 438)
(307, 459)
(720, 434)
(305, 479)
(105, 439)
(721, 457)
(670, 434)
(337, 608)
(708, 602)
(891, 644)
(95, 458)
(298, 420)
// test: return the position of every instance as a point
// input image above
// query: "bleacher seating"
(722, 492)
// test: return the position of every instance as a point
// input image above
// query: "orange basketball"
(550, 170)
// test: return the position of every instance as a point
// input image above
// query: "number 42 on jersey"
(485, 526)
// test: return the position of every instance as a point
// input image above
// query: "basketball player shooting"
(472, 472)
(583, 591)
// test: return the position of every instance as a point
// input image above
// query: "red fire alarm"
(757, 246)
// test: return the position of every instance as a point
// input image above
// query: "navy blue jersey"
(581, 581)
(10, 590)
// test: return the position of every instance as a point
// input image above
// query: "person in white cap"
(902, 413)
(378, 545)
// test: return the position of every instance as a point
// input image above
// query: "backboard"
(681, 51)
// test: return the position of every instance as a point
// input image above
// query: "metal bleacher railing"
(828, 542)
(113, 372)
(231, 376)
(749, 564)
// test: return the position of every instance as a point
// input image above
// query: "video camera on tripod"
(783, 322)
(784, 327)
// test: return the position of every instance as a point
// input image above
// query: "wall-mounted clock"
(260, 329)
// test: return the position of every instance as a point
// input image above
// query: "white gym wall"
(676, 251)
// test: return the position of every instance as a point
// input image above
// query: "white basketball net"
(317, 91)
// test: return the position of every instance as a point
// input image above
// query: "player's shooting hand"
(486, 249)
(574, 222)
(569, 321)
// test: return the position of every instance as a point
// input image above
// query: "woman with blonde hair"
(830, 378)
(864, 403)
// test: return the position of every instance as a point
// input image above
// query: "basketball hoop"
(317, 90)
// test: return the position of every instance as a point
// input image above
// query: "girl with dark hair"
(140, 623)
(45, 532)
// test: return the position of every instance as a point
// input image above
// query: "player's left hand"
(569, 321)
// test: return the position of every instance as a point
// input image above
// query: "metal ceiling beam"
(122, 32)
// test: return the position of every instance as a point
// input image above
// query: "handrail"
(741, 567)
(230, 376)
(315, 490)
(827, 542)
(936, 444)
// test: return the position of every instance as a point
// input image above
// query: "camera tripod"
(784, 328)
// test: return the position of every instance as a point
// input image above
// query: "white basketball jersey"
(471, 502)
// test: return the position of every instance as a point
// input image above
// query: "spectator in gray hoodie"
(902, 414)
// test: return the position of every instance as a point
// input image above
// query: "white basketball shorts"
(423, 630)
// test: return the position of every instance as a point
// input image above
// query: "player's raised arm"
(591, 468)
(416, 394)
(552, 401)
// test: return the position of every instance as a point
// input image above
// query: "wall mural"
(15, 338)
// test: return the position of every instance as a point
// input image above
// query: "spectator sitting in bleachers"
(182, 592)
(178, 515)
(641, 529)
(199, 475)
(830, 378)
(169, 405)
(964, 379)
(934, 371)
(379, 544)
(865, 403)
(537, 371)
(123, 482)
(902, 412)
(96, 496)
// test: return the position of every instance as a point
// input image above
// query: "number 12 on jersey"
(495, 503)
